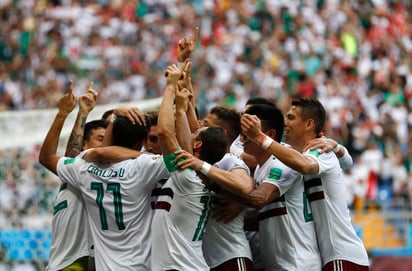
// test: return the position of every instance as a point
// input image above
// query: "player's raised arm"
(183, 131)
(166, 120)
(186, 46)
(48, 152)
(86, 105)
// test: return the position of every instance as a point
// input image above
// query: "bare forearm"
(111, 154)
(47, 155)
(183, 131)
(245, 199)
(293, 159)
(235, 183)
(74, 145)
(192, 119)
(166, 122)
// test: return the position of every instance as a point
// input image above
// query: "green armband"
(170, 161)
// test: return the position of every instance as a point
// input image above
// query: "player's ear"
(197, 145)
(271, 133)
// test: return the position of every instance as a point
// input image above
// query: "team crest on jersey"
(315, 152)
(275, 173)
(69, 161)
(156, 157)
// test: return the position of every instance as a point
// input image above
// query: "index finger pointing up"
(91, 85)
(195, 35)
(70, 88)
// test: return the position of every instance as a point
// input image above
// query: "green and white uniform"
(225, 241)
(117, 200)
(69, 243)
(326, 193)
(178, 228)
(286, 229)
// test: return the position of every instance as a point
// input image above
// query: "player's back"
(117, 198)
(73, 243)
(178, 227)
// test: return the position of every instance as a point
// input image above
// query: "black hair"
(152, 116)
(259, 100)
(107, 113)
(93, 125)
(312, 109)
(228, 119)
(127, 134)
(270, 116)
(214, 144)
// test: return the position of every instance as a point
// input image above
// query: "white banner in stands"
(26, 128)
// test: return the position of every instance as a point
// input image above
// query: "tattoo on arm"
(83, 123)
(74, 145)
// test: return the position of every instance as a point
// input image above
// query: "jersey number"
(117, 201)
(201, 225)
(306, 211)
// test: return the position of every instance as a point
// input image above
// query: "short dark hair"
(259, 100)
(228, 119)
(107, 113)
(312, 109)
(93, 125)
(127, 134)
(214, 144)
(270, 116)
(152, 116)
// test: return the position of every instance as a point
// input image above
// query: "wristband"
(113, 117)
(336, 149)
(266, 142)
(205, 168)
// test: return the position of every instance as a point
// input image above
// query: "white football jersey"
(286, 229)
(117, 199)
(69, 243)
(237, 147)
(225, 241)
(326, 193)
(179, 223)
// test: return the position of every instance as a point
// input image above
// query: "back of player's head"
(214, 144)
(228, 119)
(312, 109)
(270, 116)
(93, 125)
(152, 116)
(259, 100)
(127, 134)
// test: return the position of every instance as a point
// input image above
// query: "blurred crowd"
(354, 56)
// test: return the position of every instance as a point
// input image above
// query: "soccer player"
(251, 226)
(286, 230)
(71, 247)
(340, 247)
(225, 246)
(116, 195)
(178, 229)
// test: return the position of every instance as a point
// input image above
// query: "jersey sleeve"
(282, 176)
(230, 162)
(68, 170)
(152, 167)
(326, 161)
